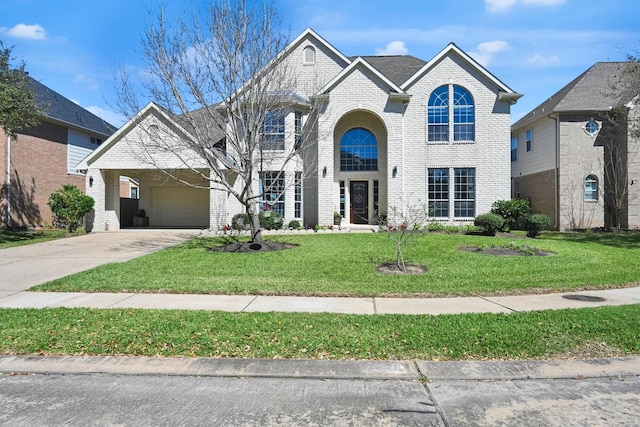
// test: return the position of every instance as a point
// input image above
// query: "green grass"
(10, 238)
(592, 332)
(345, 264)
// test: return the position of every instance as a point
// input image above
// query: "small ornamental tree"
(69, 206)
(403, 225)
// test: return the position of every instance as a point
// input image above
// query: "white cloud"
(498, 6)
(88, 81)
(485, 51)
(108, 116)
(24, 31)
(395, 47)
(540, 60)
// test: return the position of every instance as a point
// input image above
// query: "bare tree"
(619, 136)
(220, 73)
(404, 224)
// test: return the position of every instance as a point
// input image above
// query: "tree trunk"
(254, 220)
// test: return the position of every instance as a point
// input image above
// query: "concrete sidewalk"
(253, 303)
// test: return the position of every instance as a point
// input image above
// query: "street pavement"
(49, 390)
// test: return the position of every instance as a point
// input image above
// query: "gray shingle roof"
(590, 91)
(397, 68)
(59, 108)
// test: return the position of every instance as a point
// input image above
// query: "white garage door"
(179, 207)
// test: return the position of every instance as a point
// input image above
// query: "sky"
(535, 47)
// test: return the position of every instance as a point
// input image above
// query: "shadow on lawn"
(617, 239)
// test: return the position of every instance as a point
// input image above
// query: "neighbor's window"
(358, 151)
(591, 188)
(273, 131)
(592, 127)
(529, 139)
(271, 187)
(514, 148)
(438, 192)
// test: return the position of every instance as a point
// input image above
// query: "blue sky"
(534, 46)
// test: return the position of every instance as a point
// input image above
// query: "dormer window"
(309, 55)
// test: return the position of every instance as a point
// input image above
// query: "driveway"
(23, 267)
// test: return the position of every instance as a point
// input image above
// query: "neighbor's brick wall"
(539, 189)
(39, 167)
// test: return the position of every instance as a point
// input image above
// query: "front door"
(359, 202)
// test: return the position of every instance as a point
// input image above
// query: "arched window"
(358, 151)
(591, 188)
(463, 115)
(440, 112)
(309, 55)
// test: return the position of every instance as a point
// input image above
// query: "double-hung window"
(438, 192)
(273, 131)
(464, 192)
(271, 188)
(529, 139)
(591, 188)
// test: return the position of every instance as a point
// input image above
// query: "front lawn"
(10, 238)
(345, 265)
(579, 333)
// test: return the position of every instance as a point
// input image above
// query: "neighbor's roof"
(61, 109)
(590, 91)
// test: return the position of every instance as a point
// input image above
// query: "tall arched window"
(591, 188)
(440, 112)
(309, 55)
(463, 115)
(358, 151)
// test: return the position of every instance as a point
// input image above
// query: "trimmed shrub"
(270, 220)
(294, 224)
(490, 223)
(240, 221)
(535, 223)
(69, 205)
(513, 211)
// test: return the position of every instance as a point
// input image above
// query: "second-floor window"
(445, 112)
(273, 132)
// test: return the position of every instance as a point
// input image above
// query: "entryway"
(359, 212)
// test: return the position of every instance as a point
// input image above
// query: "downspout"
(556, 175)
(8, 180)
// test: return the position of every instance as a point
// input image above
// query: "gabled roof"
(397, 68)
(58, 108)
(349, 69)
(452, 48)
(310, 33)
(590, 91)
(126, 128)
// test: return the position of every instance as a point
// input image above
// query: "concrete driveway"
(23, 267)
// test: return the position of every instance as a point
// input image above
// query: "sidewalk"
(253, 303)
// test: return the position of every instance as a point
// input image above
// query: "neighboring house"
(45, 156)
(393, 130)
(572, 162)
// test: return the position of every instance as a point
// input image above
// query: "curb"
(530, 369)
(254, 368)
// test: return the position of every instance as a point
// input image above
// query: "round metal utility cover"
(587, 298)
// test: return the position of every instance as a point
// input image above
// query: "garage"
(178, 206)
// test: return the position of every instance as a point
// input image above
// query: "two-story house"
(574, 160)
(392, 130)
(44, 157)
